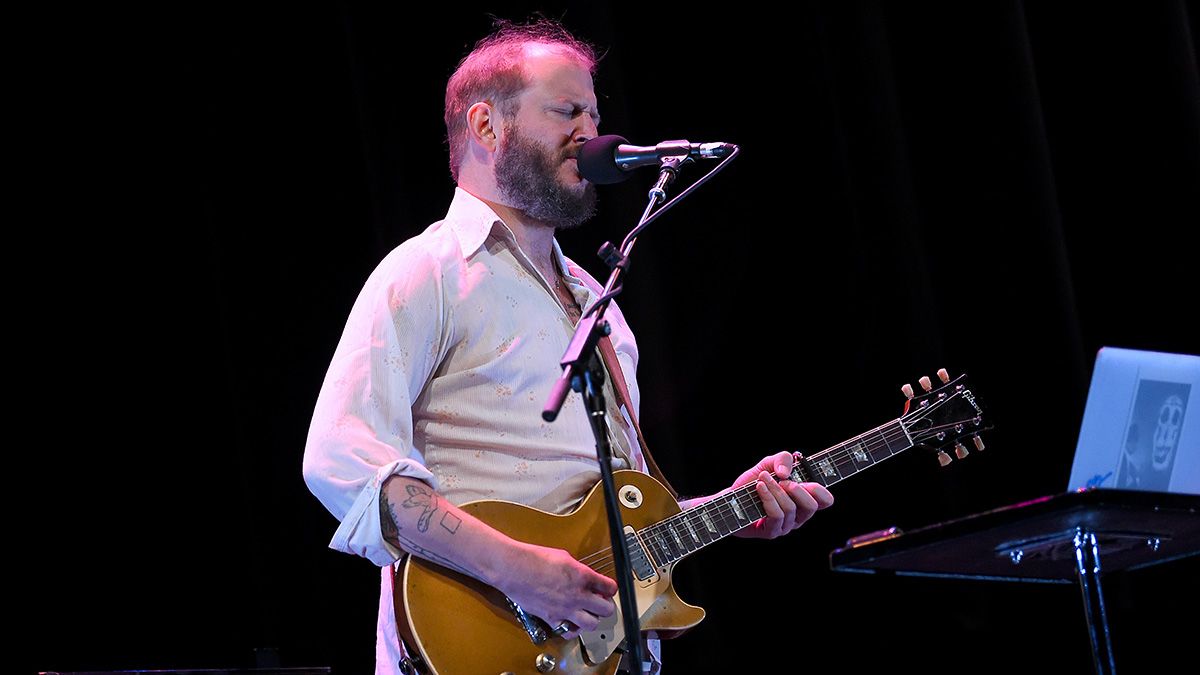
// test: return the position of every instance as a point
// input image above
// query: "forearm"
(417, 519)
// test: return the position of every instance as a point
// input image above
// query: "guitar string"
(834, 457)
(607, 563)
(653, 531)
(727, 508)
(725, 512)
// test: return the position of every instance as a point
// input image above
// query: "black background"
(999, 188)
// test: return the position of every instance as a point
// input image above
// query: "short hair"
(494, 71)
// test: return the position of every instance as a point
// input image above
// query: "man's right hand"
(546, 582)
(555, 587)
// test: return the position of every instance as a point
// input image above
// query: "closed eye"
(576, 111)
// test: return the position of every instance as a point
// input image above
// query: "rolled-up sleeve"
(362, 428)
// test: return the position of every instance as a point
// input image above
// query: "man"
(434, 394)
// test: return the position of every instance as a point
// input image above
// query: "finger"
(783, 505)
(782, 463)
(598, 583)
(770, 505)
(820, 493)
(599, 605)
(805, 503)
(787, 504)
(584, 622)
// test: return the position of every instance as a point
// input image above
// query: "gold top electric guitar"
(456, 625)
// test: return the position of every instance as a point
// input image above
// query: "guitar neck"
(671, 539)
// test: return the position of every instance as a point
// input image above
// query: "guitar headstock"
(949, 414)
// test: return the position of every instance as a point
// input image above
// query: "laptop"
(1141, 425)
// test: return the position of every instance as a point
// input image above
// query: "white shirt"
(441, 374)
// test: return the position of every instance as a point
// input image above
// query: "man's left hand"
(788, 504)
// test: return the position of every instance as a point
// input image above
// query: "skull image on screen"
(1166, 433)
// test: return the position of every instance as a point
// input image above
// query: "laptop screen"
(1141, 425)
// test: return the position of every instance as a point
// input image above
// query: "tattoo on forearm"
(424, 498)
(428, 501)
(387, 524)
(422, 552)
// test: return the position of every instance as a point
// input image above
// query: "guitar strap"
(613, 365)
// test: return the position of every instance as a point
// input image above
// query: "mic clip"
(666, 175)
(611, 255)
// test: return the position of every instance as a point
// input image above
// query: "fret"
(691, 530)
(824, 468)
(679, 543)
(652, 554)
(887, 445)
(660, 548)
(753, 501)
(811, 471)
(664, 543)
(801, 469)
(737, 509)
(716, 517)
(669, 542)
(860, 456)
(725, 515)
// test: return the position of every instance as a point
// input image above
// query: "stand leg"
(1087, 569)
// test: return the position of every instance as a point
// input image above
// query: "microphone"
(608, 159)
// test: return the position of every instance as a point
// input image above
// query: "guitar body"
(461, 626)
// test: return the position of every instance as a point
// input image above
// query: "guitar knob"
(979, 443)
(545, 663)
(925, 383)
(943, 375)
(907, 390)
(943, 458)
(960, 450)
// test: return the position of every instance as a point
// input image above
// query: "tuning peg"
(925, 383)
(943, 375)
(907, 390)
(943, 458)
(960, 450)
(979, 443)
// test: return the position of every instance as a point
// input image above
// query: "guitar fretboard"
(688, 531)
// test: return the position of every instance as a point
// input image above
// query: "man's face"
(535, 164)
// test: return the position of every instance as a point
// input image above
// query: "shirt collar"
(472, 220)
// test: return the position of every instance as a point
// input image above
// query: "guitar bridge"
(533, 626)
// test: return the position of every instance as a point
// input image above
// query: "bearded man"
(434, 394)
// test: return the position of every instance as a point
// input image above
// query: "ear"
(482, 123)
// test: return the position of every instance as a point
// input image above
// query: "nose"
(586, 130)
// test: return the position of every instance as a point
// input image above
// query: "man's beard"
(527, 176)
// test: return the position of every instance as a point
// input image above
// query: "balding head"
(494, 72)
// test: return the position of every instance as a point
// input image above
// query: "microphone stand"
(583, 373)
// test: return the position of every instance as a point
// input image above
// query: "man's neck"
(535, 237)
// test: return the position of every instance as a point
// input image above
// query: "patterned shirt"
(441, 374)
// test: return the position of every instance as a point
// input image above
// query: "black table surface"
(1032, 541)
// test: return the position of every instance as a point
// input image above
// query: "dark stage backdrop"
(999, 188)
